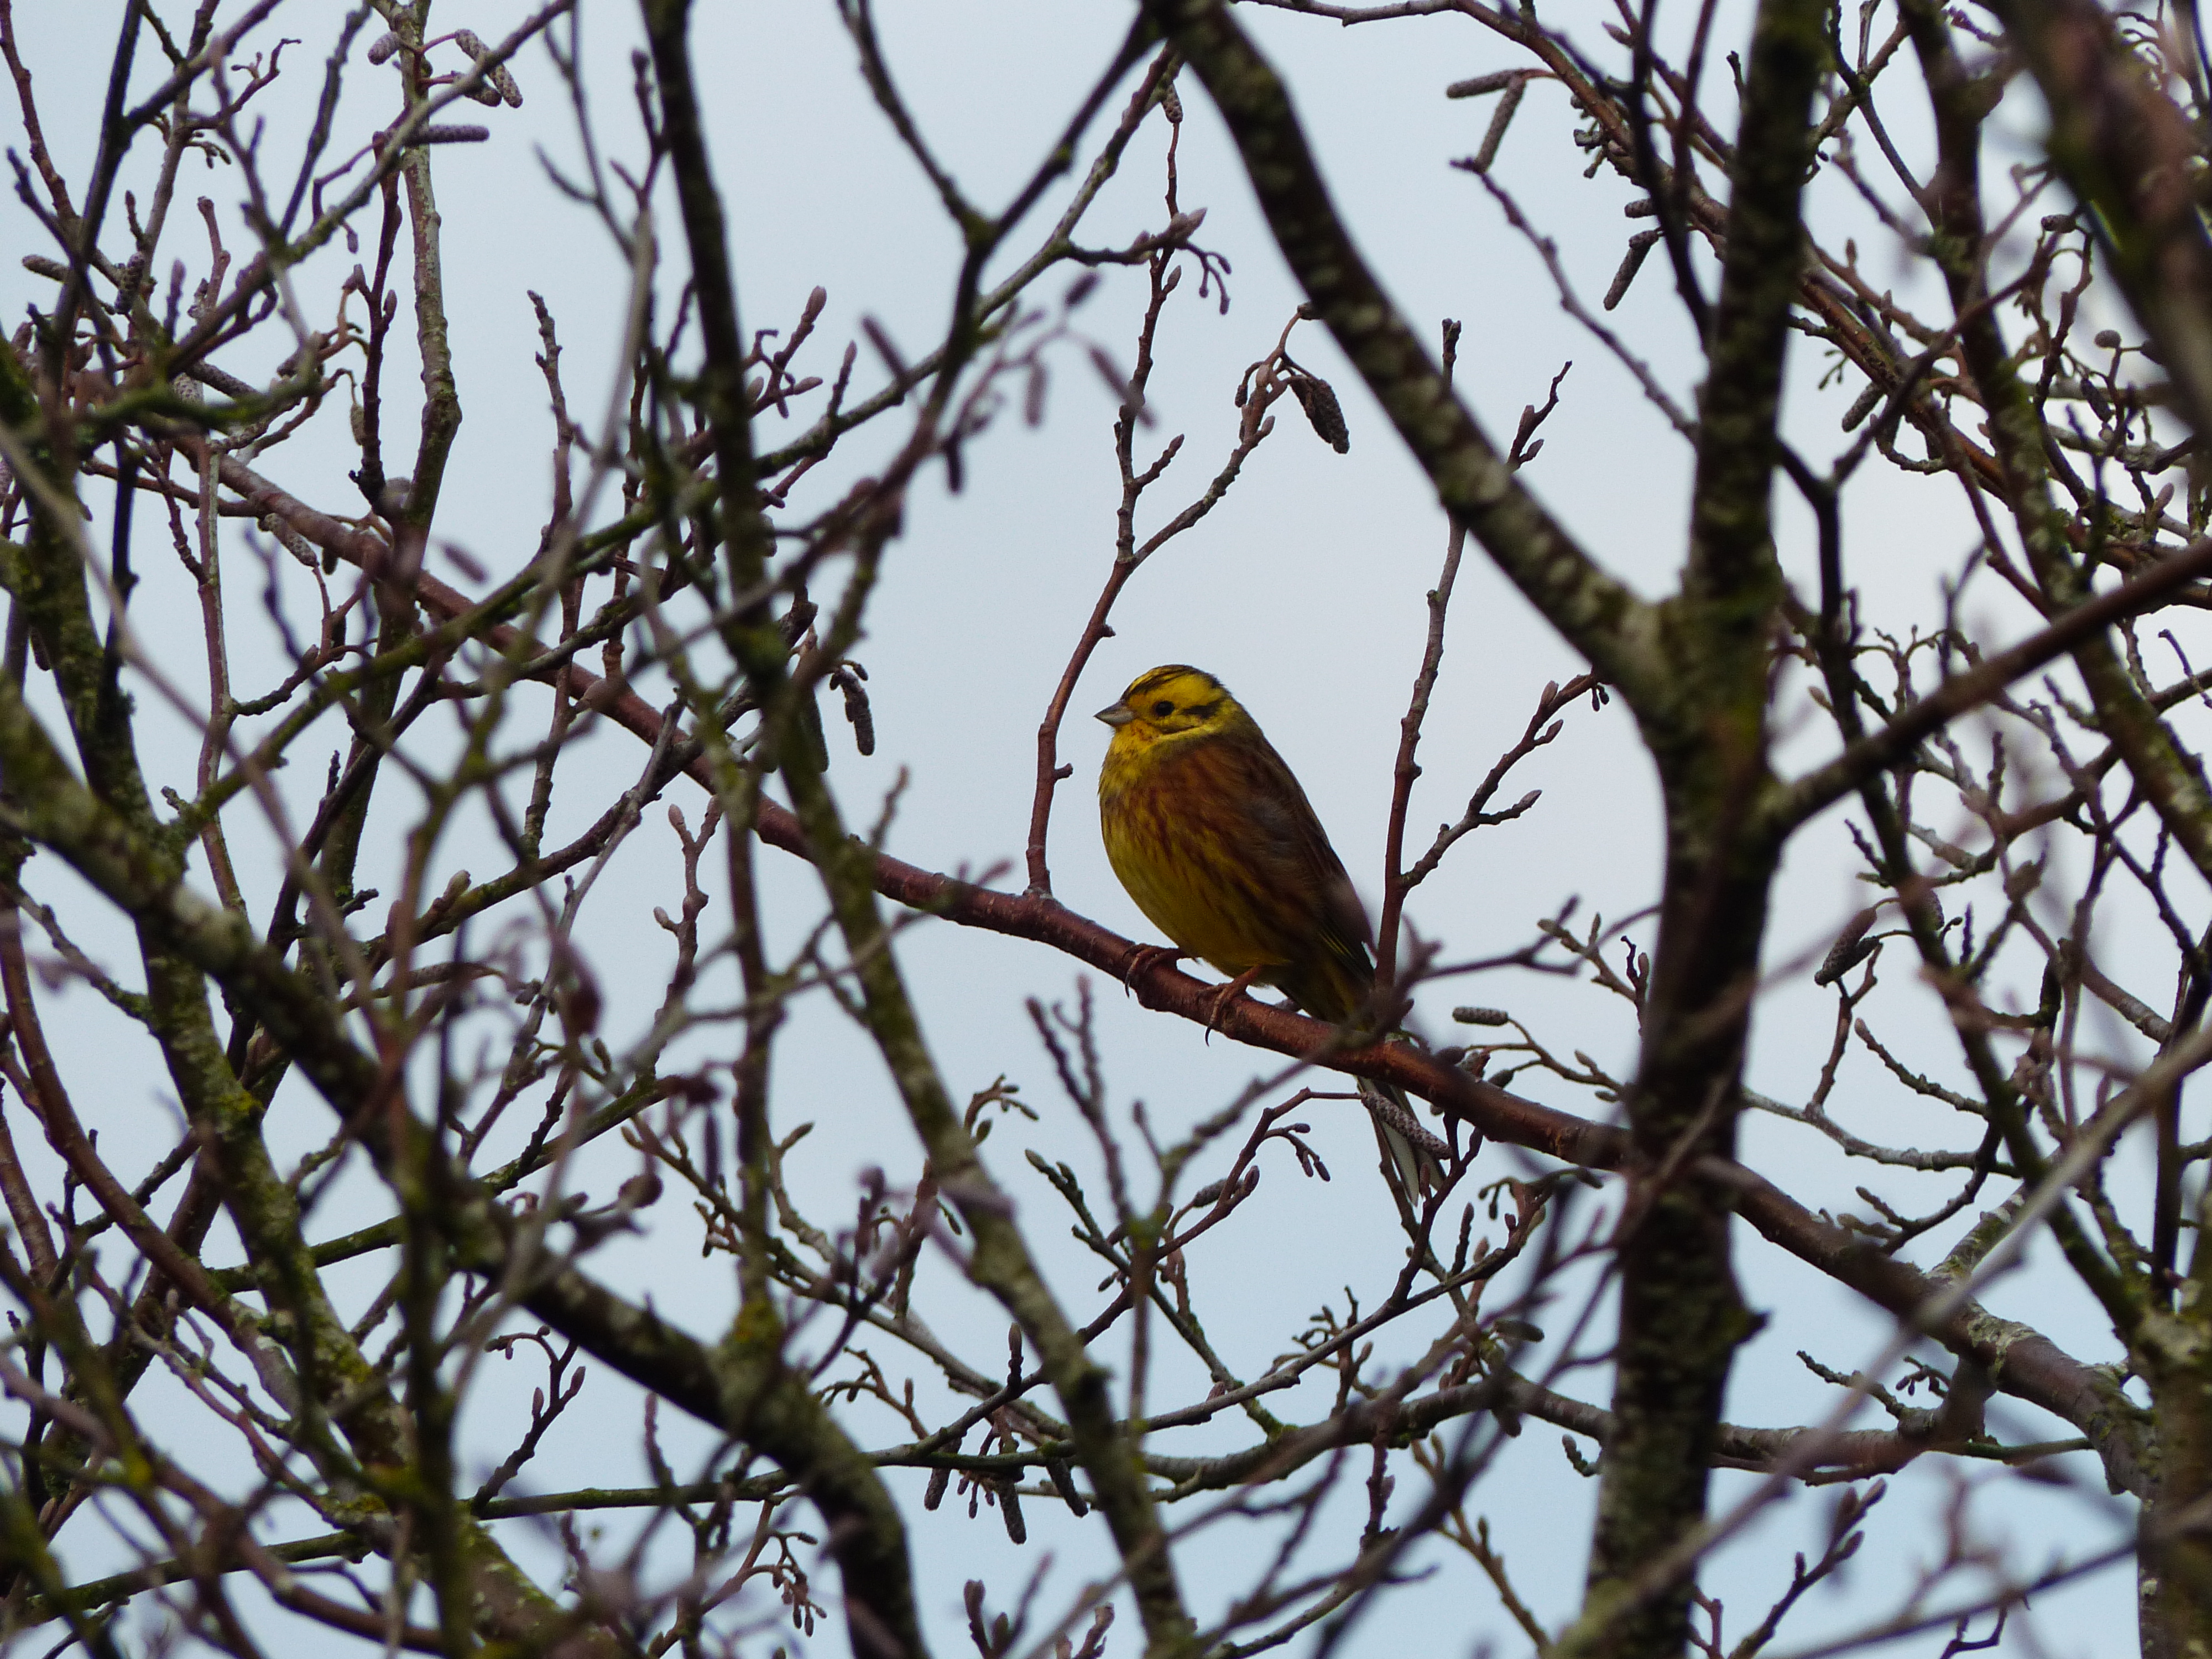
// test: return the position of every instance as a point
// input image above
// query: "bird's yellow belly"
(1183, 911)
(1188, 882)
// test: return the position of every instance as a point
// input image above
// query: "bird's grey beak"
(1119, 714)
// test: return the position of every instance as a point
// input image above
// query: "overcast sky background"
(1304, 591)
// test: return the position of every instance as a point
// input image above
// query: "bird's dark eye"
(1162, 709)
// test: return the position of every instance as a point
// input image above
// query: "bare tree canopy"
(609, 886)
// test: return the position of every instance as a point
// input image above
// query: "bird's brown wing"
(1330, 973)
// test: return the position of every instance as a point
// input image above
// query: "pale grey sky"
(1304, 591)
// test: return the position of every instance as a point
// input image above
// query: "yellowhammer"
(1211, 834)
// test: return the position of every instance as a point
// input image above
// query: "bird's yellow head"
(1171, 702)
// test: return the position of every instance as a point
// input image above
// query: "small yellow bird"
(1211, 834)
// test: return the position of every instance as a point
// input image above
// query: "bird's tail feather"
(1414, 1156)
